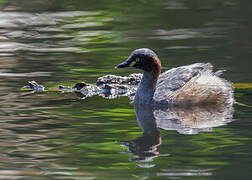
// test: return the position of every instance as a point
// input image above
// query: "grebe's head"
(144, 59)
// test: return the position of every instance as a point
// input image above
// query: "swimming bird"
(190, 84)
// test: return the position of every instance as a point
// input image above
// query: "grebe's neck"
(147, 87)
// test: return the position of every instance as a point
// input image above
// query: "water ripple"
(175, 4)
(31, 74)
(54, 32)
(187, 33)
(23, 19)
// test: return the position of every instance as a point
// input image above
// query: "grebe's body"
(192, 84)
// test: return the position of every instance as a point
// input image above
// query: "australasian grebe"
(192, 84)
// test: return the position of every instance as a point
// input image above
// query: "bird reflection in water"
(145, 146)
(185, 120)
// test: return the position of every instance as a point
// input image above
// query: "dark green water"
(52, 135)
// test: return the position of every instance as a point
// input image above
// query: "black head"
(144, 59)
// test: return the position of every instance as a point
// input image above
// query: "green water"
(52, 135)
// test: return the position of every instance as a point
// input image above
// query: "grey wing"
(176, 78)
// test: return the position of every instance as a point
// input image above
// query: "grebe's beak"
(125, 63)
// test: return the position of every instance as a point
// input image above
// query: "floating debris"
(64, 89)
(80, 85)
(108, 86)
(33, 85)
(132, 79)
